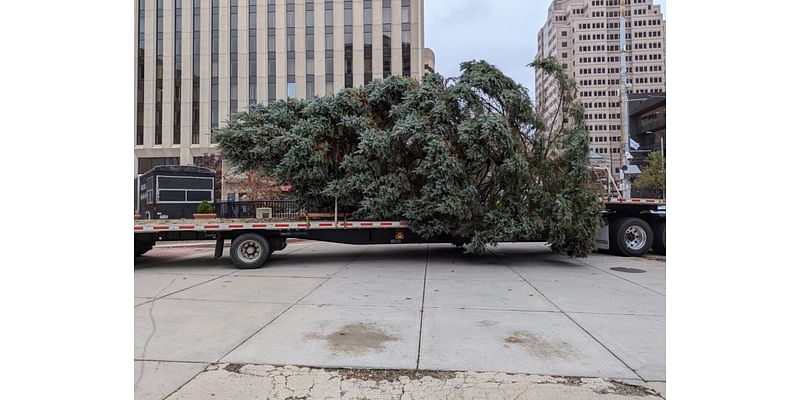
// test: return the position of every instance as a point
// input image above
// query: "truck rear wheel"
(249, 251)
(631, 237)
(660, 241)
(142, 246)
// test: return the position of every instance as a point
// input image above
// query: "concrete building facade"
(583, 35)
(199, 61)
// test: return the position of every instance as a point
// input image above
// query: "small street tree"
(653, 176)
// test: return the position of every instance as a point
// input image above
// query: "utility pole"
(623, 93)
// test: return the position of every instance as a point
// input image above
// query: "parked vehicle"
(632, 228)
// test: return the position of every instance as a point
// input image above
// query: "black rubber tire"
(140, 247)
(660, 241)
(262, 249)
(617, 236)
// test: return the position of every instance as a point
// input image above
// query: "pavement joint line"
(227, 301)
(422, 307)
(186, 288)
(170, 361)
(293, 304)
(624, 279)
(537, 311)
(187, 382)
(187, 257)
(201, 283)
(567, 315)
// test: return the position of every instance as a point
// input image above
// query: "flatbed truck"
(632, 227)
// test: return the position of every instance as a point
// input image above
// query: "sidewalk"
(243, 382)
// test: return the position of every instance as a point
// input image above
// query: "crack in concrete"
(152, 332)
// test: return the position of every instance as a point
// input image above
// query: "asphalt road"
(519, 309)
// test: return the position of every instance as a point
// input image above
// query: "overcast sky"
(502, 32)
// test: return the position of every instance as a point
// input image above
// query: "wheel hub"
(250, 250)
(635, 238)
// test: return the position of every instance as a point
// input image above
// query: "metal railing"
(281, 209)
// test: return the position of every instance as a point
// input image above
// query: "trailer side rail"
(272, 225)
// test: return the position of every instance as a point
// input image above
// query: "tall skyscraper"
(583, 35)
(199, 61)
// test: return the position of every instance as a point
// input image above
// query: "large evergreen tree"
(466, 156)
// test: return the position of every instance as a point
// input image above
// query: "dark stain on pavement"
(356, 338)
(539, 346)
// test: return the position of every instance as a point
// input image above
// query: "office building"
(583, 35)
(199, 61)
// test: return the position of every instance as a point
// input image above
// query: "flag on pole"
(634, 145)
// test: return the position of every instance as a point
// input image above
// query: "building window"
(406, 36)
(159, 70)
(309, 49)
(252, 63)
(176, 104)
(348, 43)
(234, 57)
(290, 50)
(387, 38)
(271, 74)
(140, 78)
(148, 163)
(196, 72)
(328, 46)
(214, 65)
(367, 41)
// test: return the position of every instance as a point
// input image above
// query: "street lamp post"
(623, 92)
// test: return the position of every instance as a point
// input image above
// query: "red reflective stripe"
(211, 226)
(387, 223)
(259, 225)
(161, 228)
(325, 225)
(366, 224)
(303, 225)
(186, 227)
(236, 226)
(636, 200)
(281, 225)
(138, 228)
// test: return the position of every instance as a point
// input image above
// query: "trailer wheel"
(250, 251)
(631, 237)
(660, 241)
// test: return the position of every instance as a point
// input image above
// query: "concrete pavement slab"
(336, 336)
(639, 341)
(513, 294)
(458, 269)
(352, 291)
(225, 385)
(189, 330)
(152, 285)
(513, 341)
(267, 289)
(607, 297)
(154, 380)
(290, 382)
(397, 269)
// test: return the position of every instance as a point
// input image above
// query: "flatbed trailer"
(632, 228)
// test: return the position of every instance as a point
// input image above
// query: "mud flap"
(601, 240)
(219, 247)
